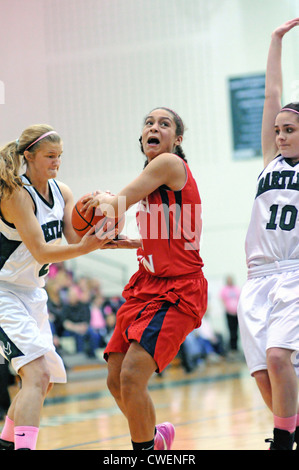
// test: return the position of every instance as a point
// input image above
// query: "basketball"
(82, 223)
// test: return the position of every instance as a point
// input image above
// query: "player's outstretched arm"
(273, 90)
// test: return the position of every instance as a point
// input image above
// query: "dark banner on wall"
(247, 95)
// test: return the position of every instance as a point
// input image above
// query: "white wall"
(94, 68)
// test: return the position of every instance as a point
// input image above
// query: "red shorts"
(159, 313)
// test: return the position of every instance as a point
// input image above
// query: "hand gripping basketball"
(83, 222)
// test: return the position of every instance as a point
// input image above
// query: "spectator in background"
(54, 269)
(77, 308)
(210, 340)
(98, 321)
(55, 309)
(229, 295)
(203, 344)
(76, 322)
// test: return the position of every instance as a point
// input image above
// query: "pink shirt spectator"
(97, 320)
(230, 297)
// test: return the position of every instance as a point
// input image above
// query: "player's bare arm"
(19, 210)
(273, 90)
(165, 169)
(68, 230)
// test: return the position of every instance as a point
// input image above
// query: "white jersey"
(17, 265)
(273, 233)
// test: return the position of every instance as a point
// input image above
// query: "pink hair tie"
(289, 109)
(40, 138)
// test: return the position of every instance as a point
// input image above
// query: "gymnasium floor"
(216, 407)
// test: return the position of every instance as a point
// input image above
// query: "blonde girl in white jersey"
(34, 212)
(269, 304)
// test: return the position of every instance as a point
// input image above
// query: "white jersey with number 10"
(273, 233)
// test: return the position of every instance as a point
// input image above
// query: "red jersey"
(170, 226)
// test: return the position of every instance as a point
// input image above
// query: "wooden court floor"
(216, 407)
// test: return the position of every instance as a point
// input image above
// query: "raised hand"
(285, 27)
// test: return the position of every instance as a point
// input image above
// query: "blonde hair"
(12, 156)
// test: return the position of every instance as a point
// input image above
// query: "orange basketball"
(82, 223)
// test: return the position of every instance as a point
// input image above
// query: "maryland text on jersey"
(52, 230)
(285, 179)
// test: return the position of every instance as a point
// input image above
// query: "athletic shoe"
(6, 445)
(164, 436)
(282, 440)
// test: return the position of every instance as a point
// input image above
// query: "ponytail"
(10, 164)
(180, 153)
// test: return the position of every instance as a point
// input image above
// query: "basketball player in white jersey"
(35, 211)
(269, 304)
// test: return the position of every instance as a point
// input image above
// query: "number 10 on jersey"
(287, 219)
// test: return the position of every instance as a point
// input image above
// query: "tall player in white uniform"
(269, 304)
(35, 211)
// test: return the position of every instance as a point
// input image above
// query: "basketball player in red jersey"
(167, 297)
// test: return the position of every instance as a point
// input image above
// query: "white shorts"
(268, 315)
(25, 332)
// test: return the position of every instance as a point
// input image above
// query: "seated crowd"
(78, 309)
